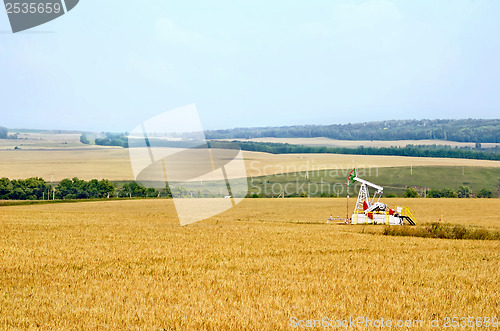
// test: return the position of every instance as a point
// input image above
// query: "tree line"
(110, 139)
(409, 150)
(462, 192)
(36, 188)
(465, 130)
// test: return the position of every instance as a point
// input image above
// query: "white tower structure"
(371, 210)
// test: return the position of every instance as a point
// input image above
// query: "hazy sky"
(110, 65)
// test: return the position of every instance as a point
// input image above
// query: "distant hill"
(45, 131)
(466, 130)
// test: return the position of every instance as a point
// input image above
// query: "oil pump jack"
(371, 210)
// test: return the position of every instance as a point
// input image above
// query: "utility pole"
(347, 209)
(52, 186)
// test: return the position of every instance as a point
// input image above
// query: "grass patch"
(395, 180)
(443, 231)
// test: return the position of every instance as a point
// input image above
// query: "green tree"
(434, 193)
(93, 189)
(17, 194)
(30, 188)
(447, 193)
(84, 139)
(106, 188)
(411, 193)
(113, 139)
(64, 188)
(444, 193)
(5, 188)
(133, 190)
(166, 191)
(485, 193)
(3, 132)
(151, 192)
(464, 191)
(72, 189)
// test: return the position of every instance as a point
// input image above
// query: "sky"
(111, 65)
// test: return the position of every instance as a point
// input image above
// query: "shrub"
(485, 193)
(443, 231)
(411, 193)
(444, 193)
(464, 192)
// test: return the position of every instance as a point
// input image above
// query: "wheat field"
(129, 265)
(113, 163)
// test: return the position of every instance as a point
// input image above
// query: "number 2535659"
(33, 8)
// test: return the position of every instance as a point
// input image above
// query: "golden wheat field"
(259, 266)
(113, 163)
